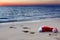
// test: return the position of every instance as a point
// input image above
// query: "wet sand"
(29, 30)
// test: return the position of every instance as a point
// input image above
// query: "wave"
(19, 13)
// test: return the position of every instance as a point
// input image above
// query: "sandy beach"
(28, 30)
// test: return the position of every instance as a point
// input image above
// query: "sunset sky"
(28, 2)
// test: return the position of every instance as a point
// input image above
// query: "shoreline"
(31, 20)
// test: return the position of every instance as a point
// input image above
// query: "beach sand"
(28, 30)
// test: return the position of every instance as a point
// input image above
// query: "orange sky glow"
(2, 3)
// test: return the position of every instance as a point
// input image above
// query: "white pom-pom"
(54, 30)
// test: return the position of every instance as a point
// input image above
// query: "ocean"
(28, 13)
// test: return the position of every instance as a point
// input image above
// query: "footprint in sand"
(32, 32)
(26, 30)
(12, 27)
(50, 34)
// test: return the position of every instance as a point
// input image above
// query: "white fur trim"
(40, 29)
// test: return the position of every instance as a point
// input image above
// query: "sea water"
(28, 13)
